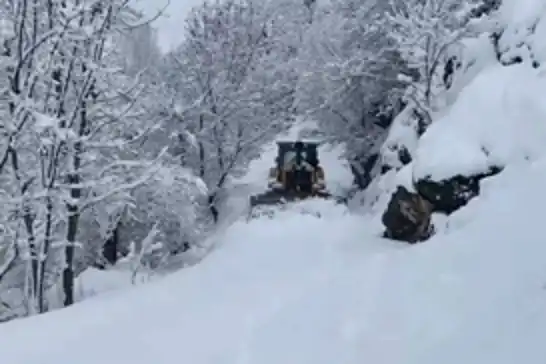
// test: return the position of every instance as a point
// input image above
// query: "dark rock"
(449, 195)
(385, 168)
(486, 8)
(362, 170)
(111, 246)
(408, 217)
(449, 69)
(404, 155)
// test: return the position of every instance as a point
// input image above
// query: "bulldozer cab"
(297, 154)
(297, 162)
(296, 176)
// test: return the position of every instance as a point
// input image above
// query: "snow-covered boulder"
(495, 116)
(448, 195)
(407, 217)
(498, 119)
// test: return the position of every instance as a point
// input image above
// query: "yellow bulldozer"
(297, 175)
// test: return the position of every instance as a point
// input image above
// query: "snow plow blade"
(268, 203)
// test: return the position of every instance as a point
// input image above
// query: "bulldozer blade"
(259, 202)
(267, 198)
(266, 204)
(261, 211)
(281, 197)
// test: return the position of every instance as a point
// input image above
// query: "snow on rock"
(494, 115)
(497, 120)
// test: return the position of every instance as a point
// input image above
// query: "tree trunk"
(73, 224)
(212, 208)
(68, 272)
(43, 255)
(201, 148)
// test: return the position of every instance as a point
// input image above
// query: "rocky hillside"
(493, 118)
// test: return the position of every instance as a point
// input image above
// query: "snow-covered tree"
(231, 91)
(349, 70)
(423, 32)
(74, 147)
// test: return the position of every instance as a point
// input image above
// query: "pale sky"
(169, 26)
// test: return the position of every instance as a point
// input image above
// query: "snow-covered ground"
(299, 289)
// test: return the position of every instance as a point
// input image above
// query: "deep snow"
(298, 289)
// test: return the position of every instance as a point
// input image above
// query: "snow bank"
(498, 119)
(93, 282)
